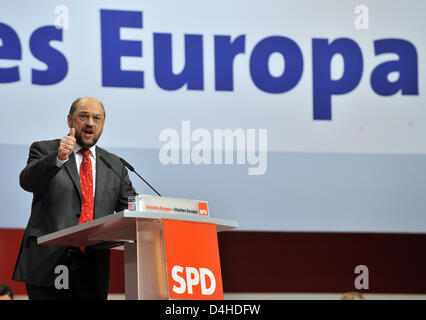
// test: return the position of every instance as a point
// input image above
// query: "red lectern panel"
(192, 258)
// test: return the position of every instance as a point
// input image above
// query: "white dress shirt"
(79, 159)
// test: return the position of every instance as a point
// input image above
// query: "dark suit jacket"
(57, 205)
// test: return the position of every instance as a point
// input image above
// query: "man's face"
(88, 121)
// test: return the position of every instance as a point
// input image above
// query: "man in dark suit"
(70, 185)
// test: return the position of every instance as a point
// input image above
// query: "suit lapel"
(100, 181)
(71, 167)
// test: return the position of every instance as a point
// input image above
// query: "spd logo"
(205, 278)
(203, 209)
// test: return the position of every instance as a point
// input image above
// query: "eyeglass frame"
(85, 117)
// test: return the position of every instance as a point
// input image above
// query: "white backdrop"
(378, 136)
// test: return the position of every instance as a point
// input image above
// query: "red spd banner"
(192, 256)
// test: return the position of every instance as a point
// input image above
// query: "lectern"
(166, 256)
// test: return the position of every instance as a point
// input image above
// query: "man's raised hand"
(66, 146)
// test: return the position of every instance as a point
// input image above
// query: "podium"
(166, 256)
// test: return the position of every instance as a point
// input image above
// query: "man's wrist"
(59, 162)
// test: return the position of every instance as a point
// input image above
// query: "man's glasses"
(85, 117)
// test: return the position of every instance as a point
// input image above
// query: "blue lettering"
(113, 48)
(57, 65)
(192, 73)
(11, 50)
(406, 66)
(259, 64)
(224, 53)
(323, 86)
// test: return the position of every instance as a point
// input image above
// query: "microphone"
(130, 167)
(121, 178)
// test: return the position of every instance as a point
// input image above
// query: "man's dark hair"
(6, 290)
(77, 101)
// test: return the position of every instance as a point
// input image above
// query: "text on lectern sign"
(155, 204)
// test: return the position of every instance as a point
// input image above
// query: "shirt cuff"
(60, 163)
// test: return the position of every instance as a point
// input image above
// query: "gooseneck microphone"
(130, 167)
(121, 178)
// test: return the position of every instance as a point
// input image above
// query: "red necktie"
(86, 183)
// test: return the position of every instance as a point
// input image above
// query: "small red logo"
(203, 210)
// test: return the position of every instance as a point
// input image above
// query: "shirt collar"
(77, 149)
